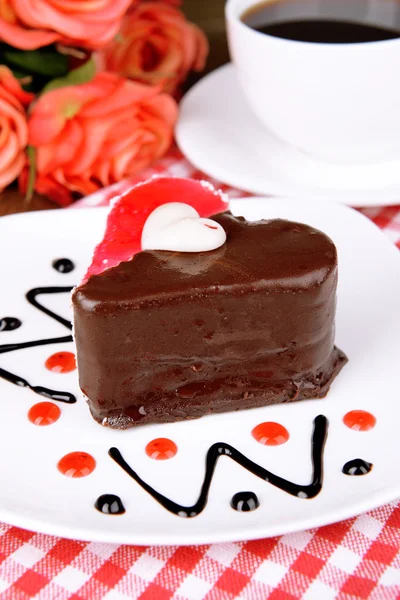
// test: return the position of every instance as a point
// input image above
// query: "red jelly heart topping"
(122, 238)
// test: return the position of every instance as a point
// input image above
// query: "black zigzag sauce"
(31, 296)
(222, 449)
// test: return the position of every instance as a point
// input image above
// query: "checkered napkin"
(356, 559)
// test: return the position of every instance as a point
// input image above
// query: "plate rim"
(110, 537)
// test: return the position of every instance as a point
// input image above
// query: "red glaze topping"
(61, 362)
(44, 413)
(270, 434)
(122, 238)
(359, 420)
(161, 449)
(76, 464)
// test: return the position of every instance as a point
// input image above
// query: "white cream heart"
(179, 228)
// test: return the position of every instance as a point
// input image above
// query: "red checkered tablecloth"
(356, 559)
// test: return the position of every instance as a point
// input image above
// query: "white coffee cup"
(337, 102)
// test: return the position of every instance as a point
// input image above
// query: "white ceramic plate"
(221, 136)
(35, 495)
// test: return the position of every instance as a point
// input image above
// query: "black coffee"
(327, 21)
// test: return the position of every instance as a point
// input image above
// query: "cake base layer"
(244, 390)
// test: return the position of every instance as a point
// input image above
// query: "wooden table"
(209, 15)
(12, 202)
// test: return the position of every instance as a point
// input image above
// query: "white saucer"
(220, 135)
(35, 495)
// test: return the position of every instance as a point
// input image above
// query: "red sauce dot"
(44, 413)
(76, 464)
(161, 449)
(270, 434)
(61, 362)
(359, 420)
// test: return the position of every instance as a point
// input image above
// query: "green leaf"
(31, 152)
(42, 62)
(82, 74)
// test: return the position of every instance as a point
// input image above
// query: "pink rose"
(95, 134)
(156, 44)
(13, 127)
(29, 24)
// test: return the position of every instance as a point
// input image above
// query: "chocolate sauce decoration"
(357, 467)
(9, 323)
(222, 449)
(31, 296)
(245, 501)
(63, 265)
(11, 347)
(38, 389)
(109, 504)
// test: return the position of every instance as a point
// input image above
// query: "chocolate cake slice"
(167, 336)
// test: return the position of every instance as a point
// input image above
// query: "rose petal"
(12, 172)
(11, 85)
(26, 39)
(157, 44)
(10, 152)
(94, 134)
(93, 22)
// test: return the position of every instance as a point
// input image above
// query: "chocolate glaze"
(170, 336)
(31, 296)
(222, 449)
(357, 466)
